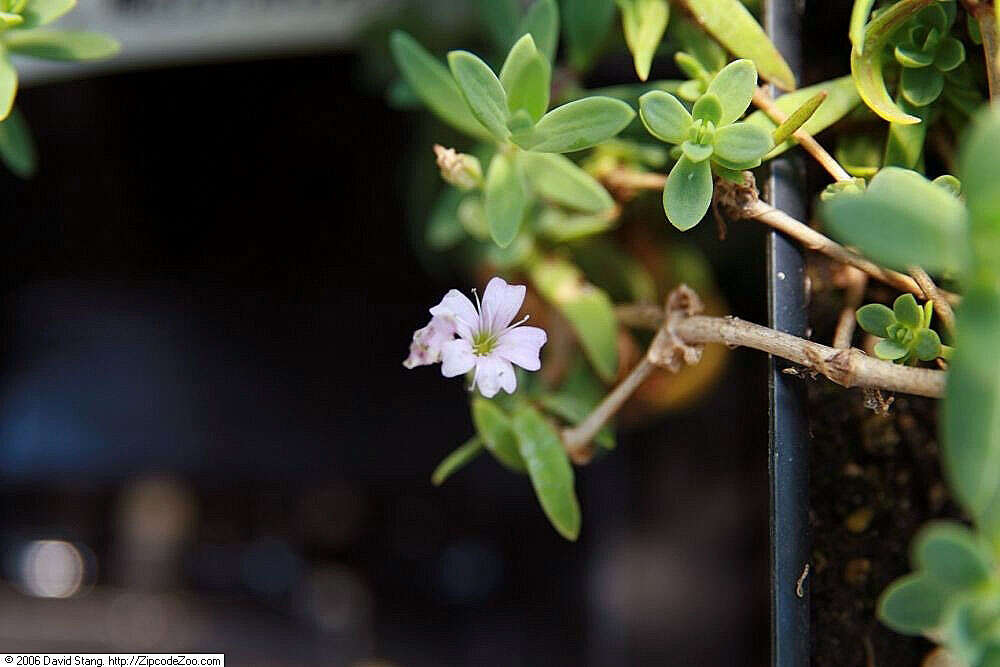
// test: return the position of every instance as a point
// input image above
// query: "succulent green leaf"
(708, 108)
(644, 22)
(550, 470)
(950, 54)
(928, 345)
(497, 433)
(889, 350)
(951, 554)
(40, 12)
(687, 193)
(859, 17)
(741, 143)
(556, 178)
(525, 78)
(875, 318)
(971, 410)
(587, 308)
(949, 183)
(907, 311)
(576, 398)
(585, 25)
(910, 56)
(457, 460)
(434, 85)
(921, 86)
(61, 44)
(842, 97)
(972, 26)
(734, 86)
(607, 265)
(664, 116)
(730, 22)
(904, 145)
(696, 42)
(541, 21)
(559, 226)
(978, 161)
(483, 92)
(581, 124)
(17, 147)
(696, 152)
(505, 199)
(901, 220)
(500, 18)
(797, 118)
(912, 604)
(867, 60)
(444, 229)
(8, 86)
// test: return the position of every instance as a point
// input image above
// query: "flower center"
(483, 343)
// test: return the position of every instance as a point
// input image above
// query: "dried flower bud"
(460, 169)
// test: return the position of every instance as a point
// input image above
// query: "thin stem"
(854, 291)
(765, 103)
(985, 15)
(813, 240)
(847, 367)
(577, 439)
(933, 294)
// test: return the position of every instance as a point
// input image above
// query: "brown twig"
(682, 331)
(741, 201)
(854, 281)
(933, 294)
(985, 14)
(577, 439)
(765, 103)
(846, 367)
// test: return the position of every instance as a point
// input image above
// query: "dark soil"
(875, 479)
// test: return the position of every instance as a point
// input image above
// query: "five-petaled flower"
(487, 343)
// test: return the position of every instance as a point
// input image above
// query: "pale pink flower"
(487, 342)
(427, 342)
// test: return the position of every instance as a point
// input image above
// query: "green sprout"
(926, 52)
(709, 136)
(904, 329)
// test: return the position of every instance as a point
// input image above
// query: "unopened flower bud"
(460, 169)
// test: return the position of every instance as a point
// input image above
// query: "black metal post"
(788, 460)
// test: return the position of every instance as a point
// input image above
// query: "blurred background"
(207, 439)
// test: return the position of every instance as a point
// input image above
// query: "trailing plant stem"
(986, 16)
(815, 241)
(682, 332)
(578, 439)
(854, 291)
(933, 294)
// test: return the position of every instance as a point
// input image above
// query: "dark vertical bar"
(788, 460)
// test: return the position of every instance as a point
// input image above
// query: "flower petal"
(501, 303)
(521, 346)
(427, 342)
(457, 358)
(494, 374)
(460, 310)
